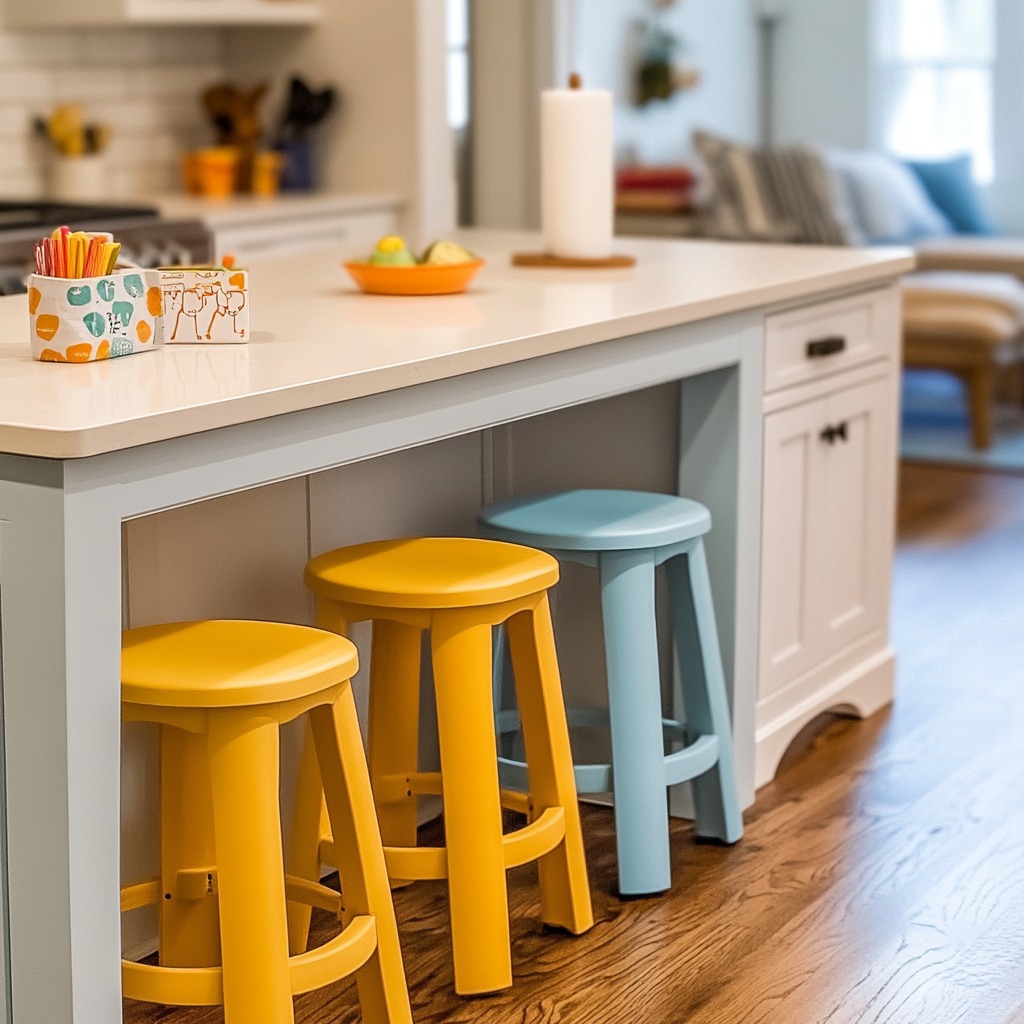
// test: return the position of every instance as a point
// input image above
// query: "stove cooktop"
(19, 215)
(147, 238)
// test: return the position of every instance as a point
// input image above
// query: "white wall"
(1005, 192)
(821, 76)
(390, 133)
(144, 83)
(720, 42)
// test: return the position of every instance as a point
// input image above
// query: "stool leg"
(980, 394)
(634, 705)
(247, 827)
(477, 889)
(716, 803)
(339, 749)
(394, 722)
(565, 891)
(303, 859)
(189, 925)
(309, 817)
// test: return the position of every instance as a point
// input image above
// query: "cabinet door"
(827, 522)
(792, 508)
(851, 577)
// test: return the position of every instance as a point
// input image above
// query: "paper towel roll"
(577, 177)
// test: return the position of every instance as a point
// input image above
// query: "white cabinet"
(287, 236)
(75, 13)
(252, 228)
(828, 516)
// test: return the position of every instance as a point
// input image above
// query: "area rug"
(935, 427)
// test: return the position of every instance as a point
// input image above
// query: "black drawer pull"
(831, 433)
(827, 346)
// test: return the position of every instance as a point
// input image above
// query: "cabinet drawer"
(804, 344)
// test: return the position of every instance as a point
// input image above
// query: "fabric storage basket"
(205, 305)
(81, 320)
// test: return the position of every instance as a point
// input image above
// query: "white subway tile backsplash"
(31, 84)
(143, 83)
(36, 49)
(140, 181)
(177, 81)
(187, 46)
(128, 47)
(152, 147)
(132, 115)
(81, 84)
(23, 185)
(15, 122)
(19, 154)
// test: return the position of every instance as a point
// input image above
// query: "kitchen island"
(760, 380)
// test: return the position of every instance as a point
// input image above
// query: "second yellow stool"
(220, 690)
(457, 590)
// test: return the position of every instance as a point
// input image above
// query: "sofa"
(963, 309)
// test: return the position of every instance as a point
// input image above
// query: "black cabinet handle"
(834, 432)
(827, 346)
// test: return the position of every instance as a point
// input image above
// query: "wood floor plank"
(881, 876)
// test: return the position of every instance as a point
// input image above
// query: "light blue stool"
(625, 535)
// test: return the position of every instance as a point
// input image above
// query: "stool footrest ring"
(520, 847)
(202, 986)
(680, 766)
(692, 761)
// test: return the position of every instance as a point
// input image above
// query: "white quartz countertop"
(317, 340)
(288, 207)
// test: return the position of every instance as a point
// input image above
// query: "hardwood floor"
(881, 877)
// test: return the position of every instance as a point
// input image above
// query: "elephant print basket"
(81, 320)
(205, 305)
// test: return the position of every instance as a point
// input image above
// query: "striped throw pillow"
(773, 195)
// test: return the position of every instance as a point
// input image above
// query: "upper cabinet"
(75, 13)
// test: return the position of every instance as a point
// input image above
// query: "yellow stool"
(457, 589)
(220, 690)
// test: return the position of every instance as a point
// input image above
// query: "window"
(457, 32)
(935, 85)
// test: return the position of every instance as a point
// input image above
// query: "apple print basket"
(82, 320)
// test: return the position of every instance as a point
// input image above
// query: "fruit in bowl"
(445, 253)
(391, 251)
(391, 269)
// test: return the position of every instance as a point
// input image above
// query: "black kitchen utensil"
(304, 109)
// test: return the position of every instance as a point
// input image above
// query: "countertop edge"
(41, 442)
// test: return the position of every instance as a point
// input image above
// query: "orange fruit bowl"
(425, 279)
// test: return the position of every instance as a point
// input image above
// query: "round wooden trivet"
(542, 259)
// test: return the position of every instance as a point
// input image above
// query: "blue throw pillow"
(951, 188)
(890, 204)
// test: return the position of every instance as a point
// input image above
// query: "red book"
(677, 177)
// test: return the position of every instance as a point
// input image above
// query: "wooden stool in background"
(968, 323)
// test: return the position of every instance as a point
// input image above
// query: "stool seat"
(230, 663)
(430, 572)
(598, 520)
